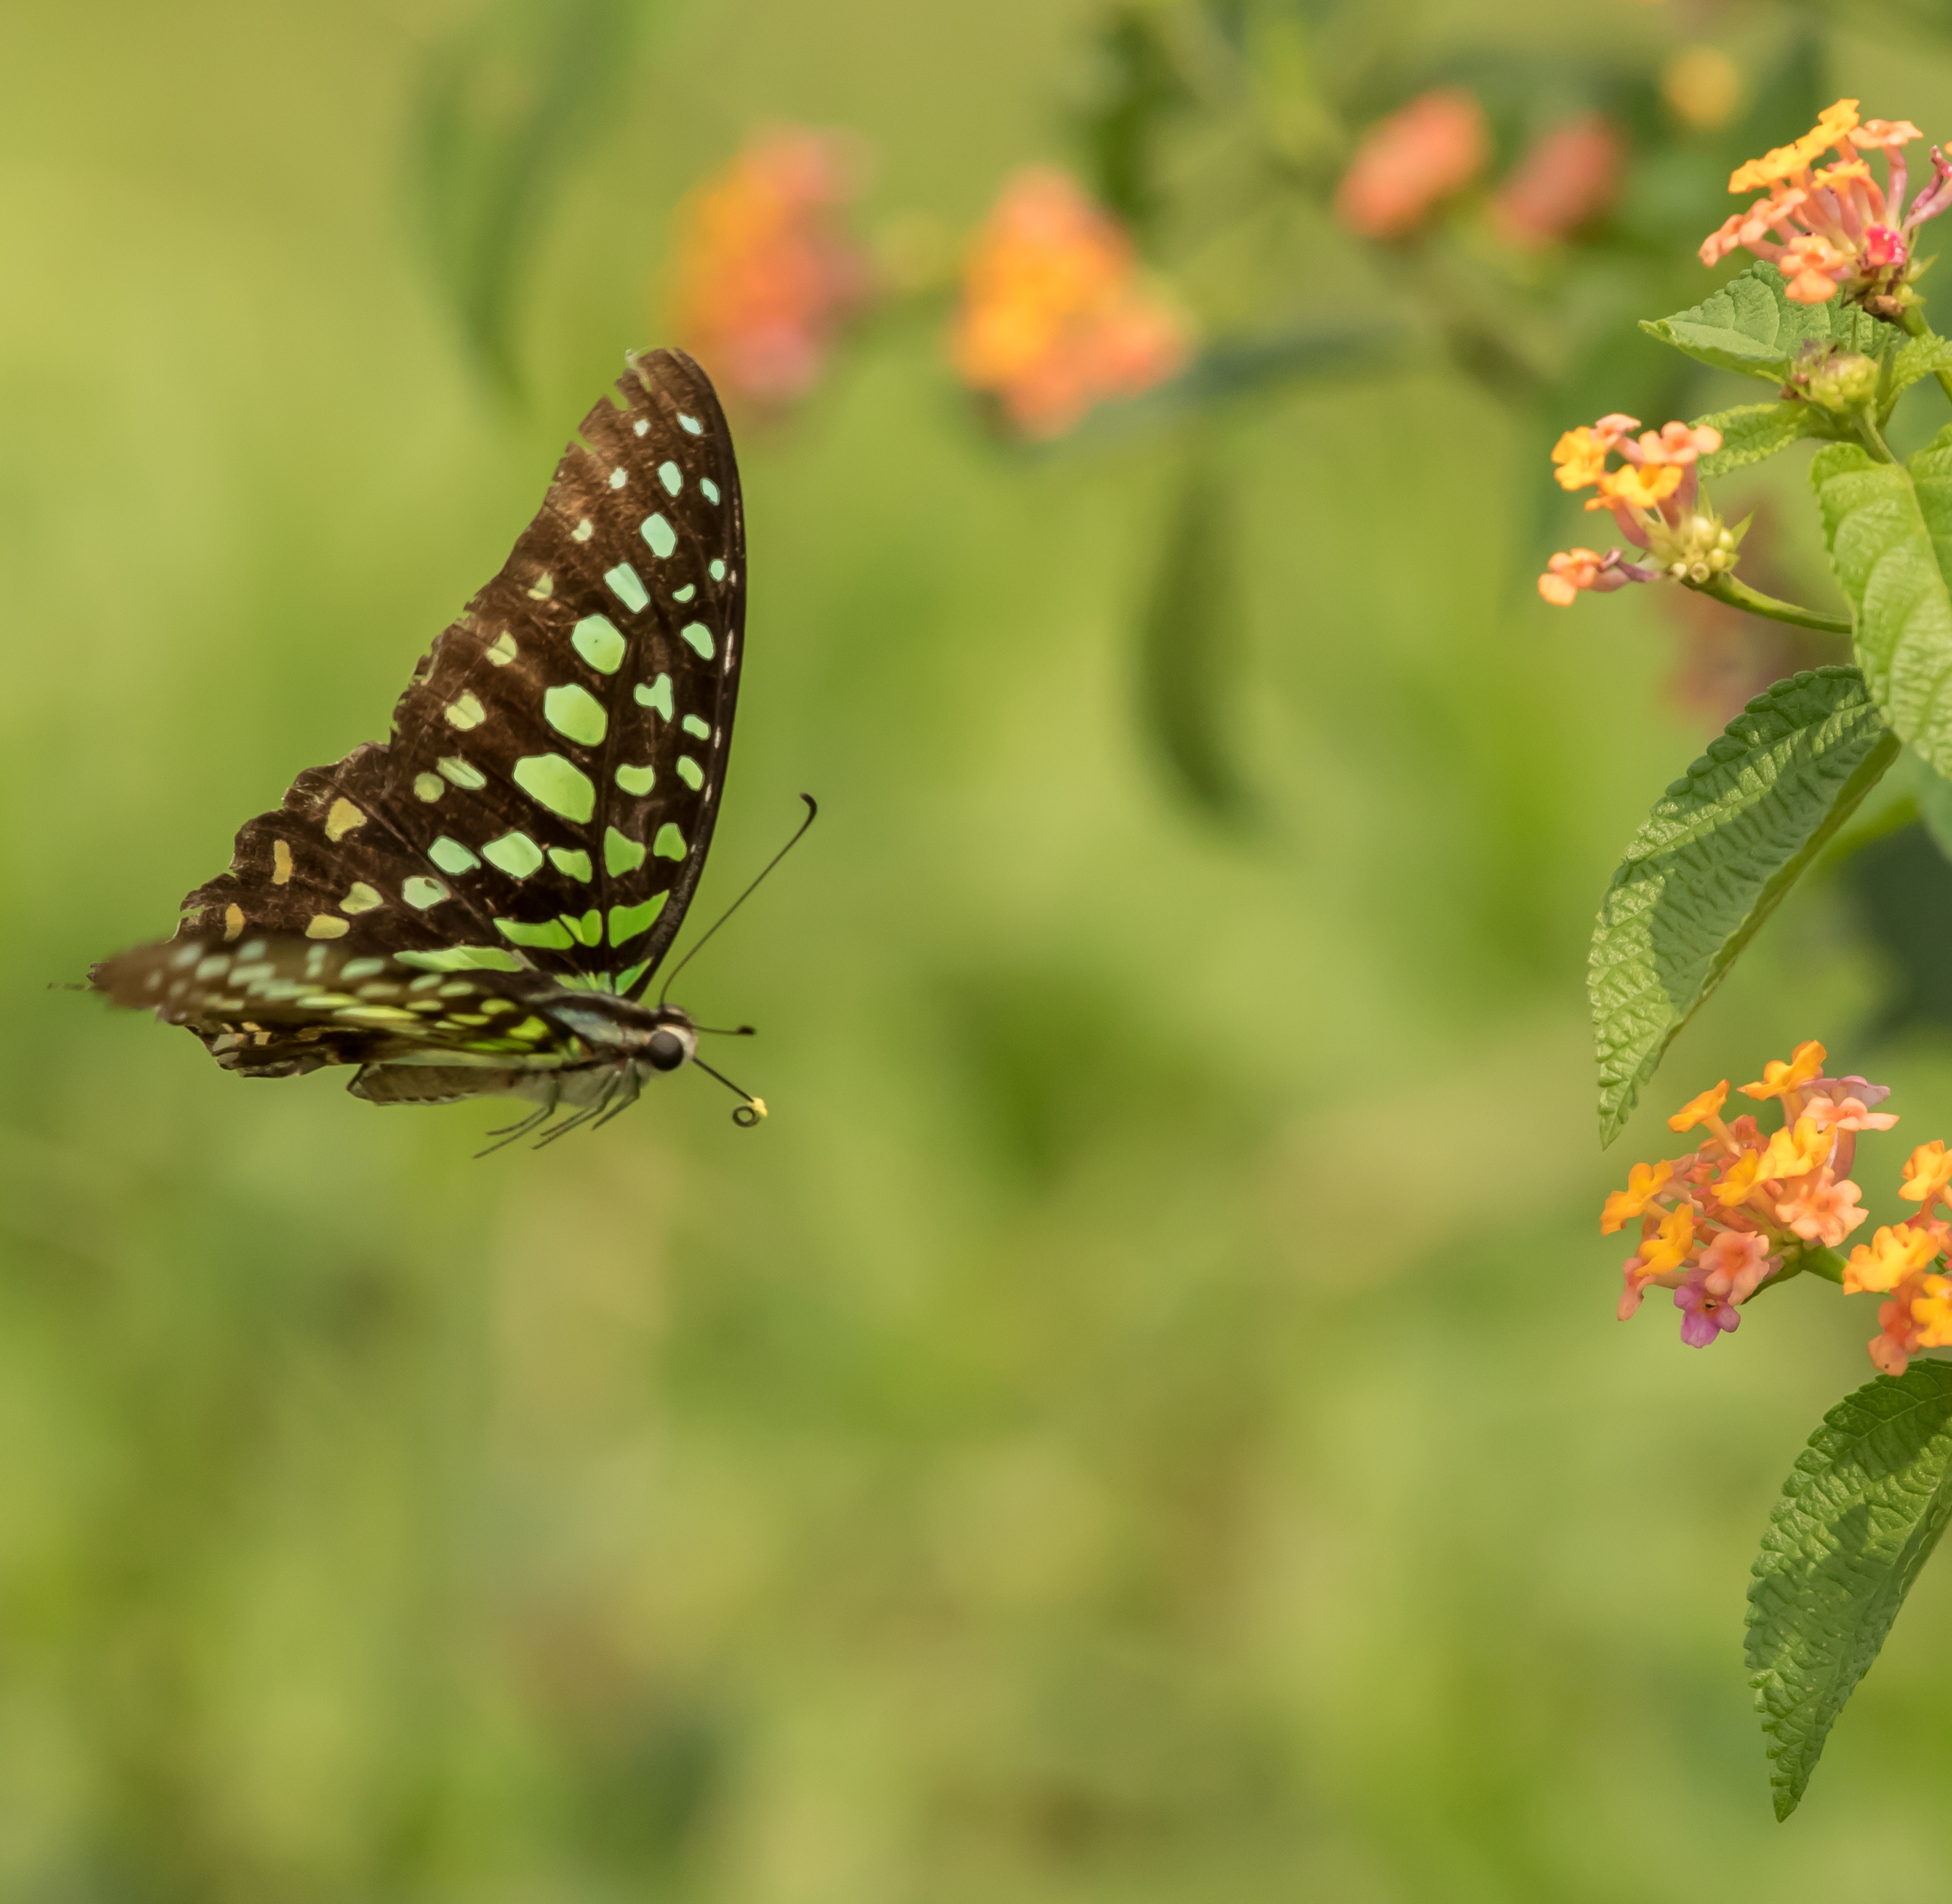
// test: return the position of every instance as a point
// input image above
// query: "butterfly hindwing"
(274, 1006)
(548, 795)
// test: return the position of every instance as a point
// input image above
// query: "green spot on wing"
(700, 638)
(551, 933)
(587, 930)
(620, 855)
(626, 922)
(451, 856)
(669, 843)
(596, 638)
(662, 538)
(572, 861)
(515, 853)
(458, 958)
(572, 710)
(559, 784)
(628, 587)
(690, 772)
(657, 696)
(636, 780)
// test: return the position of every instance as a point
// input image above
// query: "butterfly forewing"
(548, 795)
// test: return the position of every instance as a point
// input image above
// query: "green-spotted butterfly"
(476, 907)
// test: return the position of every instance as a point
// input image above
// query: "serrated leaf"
(1751, 325)
(1920, 356)
(1860, 1514)
(1751, 433)
(1882, 547)
(1931, 472)
(1721, 848)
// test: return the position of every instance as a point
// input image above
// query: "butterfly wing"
(547, 797)
(274, 1006)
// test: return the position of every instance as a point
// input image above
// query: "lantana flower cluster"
(767, 273)
(1715, 1224)
(1655, 496)
(1832, 228)
(1056, 314)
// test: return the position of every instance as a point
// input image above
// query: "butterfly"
(476, 906)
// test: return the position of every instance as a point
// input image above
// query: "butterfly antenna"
(812, 815)
(752, 1110)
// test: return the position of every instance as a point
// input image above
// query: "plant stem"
(1739, 595)
(1819, 1261)
(1873, 438)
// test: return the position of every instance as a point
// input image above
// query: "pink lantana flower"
(1832, 229)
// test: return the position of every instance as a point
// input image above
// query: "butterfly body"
(475, 907)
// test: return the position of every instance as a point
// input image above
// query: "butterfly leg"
(627, 1097)
(510, 1132)
(594, 1109)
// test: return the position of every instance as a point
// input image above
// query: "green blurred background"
(1143, 1421)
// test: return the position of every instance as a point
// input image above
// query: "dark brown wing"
(548, 795)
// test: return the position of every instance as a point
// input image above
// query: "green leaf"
(1750, 325)
(1751, 433)
(1921, 356)
(1714, 860)
(1882, 547)
(1860, 1512)
(506, 102)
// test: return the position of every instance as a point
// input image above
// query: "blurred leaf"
(1860, 1512)
(1751, 326)
(1227, 371)
(1901, 886)
(1886, 534)
(505, 104)
(1714, 860)
(1752, 432)
(1931, 793)
(1140, 89)
(1190, 647)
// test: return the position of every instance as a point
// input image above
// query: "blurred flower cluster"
(1427, 152)
(1717, 1223)
(1831, 228)
(1409, 163)
(1655, 498)
(1056, 316)
(767, 272)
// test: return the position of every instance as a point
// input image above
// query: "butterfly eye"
(665, 1052)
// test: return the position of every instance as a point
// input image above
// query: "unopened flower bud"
(1844, 382)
